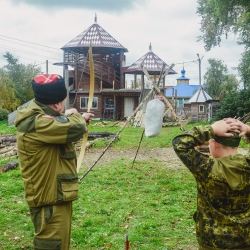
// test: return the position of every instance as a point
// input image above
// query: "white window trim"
(203, 108)
(94, 98)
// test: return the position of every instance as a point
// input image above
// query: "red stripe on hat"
(46, 78)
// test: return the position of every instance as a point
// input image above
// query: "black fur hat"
(49, 88)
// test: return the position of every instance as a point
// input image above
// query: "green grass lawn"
(151, 202)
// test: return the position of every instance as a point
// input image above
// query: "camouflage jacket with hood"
(47, 154)
(223, 192)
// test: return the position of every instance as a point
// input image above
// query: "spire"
(150, 48)
(183, 78)
(183, 72)
(95, 18)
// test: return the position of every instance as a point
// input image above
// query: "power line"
(26, 52)
(21, 44)
(40, 64)
(29, 42)
(193, 61)
(37, 63)
(29, 59)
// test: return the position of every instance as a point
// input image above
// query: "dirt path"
(166, 155)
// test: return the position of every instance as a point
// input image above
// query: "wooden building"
(112, 99)
(180, 94)
(198, 106)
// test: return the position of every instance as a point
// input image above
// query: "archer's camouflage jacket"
(47, 154)
(223, 192)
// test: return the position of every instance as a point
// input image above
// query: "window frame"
(201, 107)
(95, 102)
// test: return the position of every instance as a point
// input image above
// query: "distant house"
(197, 105)
(190, 101)
(181, 93)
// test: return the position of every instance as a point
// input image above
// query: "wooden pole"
(139, 144)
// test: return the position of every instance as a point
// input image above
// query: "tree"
(235, 104)
(217, 81)
(20, 76)
(7, 94)
(230, 85)
(223, 17)
(243, 69)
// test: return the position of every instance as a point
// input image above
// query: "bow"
(90, 100)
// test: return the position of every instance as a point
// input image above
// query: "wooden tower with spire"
(112, 100)
(109, 57)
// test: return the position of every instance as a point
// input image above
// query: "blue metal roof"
(183, 90)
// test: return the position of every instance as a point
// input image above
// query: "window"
(109, 102)
(84, 103)
(201, 108)
(180, 103)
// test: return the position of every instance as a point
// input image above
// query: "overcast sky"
(34, 31)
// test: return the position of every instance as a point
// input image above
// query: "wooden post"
(142, 81)
(76, 76)
(66, 73)
(173, 97)
(114, 115)
(121, 74)
(135, 78)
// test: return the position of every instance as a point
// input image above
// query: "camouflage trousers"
(52, 226)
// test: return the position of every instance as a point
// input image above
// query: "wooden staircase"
(107, 75)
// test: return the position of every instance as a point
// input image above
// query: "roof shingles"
(97, 36)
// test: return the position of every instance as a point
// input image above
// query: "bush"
(3, 114)
(235, 104)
